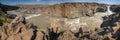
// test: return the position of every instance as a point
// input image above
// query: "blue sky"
(13, 2)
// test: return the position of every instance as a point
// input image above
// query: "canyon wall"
(68, 10)
(74, 10)
(109, 29)
(19, 29)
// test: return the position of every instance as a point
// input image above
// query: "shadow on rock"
(6, 8)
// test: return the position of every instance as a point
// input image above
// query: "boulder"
(17, 30)
(67, 35)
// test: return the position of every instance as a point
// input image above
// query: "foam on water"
(35, 15)
(109, 12)
(74, 24)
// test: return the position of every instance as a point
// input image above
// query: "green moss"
(4, 18)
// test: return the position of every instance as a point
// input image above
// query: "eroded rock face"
(18, 29)
(60, 29)
(67, 10)
(73, 10)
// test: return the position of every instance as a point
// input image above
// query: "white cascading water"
(35, 15)
(109, 12)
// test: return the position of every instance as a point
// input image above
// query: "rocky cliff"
(74, 10)
(90, 25)
(68, 10)
(19, 29)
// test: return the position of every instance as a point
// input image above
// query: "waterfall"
(109, 12)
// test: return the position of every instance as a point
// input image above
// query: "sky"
(14, 2)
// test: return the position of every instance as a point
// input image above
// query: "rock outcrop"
(59, 29)
(74, 10)
(19, 29)
(115, 8)
(67, 10)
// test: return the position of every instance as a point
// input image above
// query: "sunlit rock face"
(75, 10)
(73, 25)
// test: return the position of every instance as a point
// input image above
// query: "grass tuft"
(4, 18)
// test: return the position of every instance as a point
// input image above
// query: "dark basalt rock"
(115, 8)
(101, 10)
(12, 16)
(6, 8)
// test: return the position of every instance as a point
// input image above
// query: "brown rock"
(3, 36)
(17, 30)
(67, 10)
(68, 35)
(58, 26)
(14, 37)
(73, 10)
(42, 35)
(39, 35)
(27, 35)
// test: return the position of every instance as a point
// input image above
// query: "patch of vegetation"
(4, 18)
